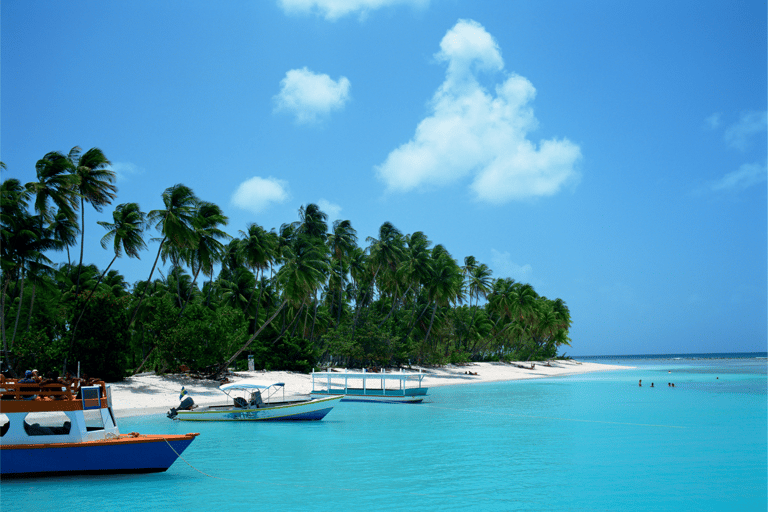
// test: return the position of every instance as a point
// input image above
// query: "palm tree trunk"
(82, 238)
(431, 320)
(314, 318)
(144, 361)
(416, 321)
(394, 303)
(2, 315)
(74, 330)
(149, 280)
(18, 311)
(296, 322)
(194, 283)
(250, 340)
(31, 306)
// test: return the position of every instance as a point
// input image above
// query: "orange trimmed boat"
(68, 427)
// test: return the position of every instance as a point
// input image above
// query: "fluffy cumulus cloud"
(332, 210)
(742, 178)
(471, 132)
(335, 9)
(309, 96)
(257, 194)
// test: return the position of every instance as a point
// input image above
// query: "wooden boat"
(370, 386)
(254, 400)
(66, 428)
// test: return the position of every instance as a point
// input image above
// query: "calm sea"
(590, 442)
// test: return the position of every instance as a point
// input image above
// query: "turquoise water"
(590, 442)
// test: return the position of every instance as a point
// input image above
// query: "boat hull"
(124, 454)
(312, 410)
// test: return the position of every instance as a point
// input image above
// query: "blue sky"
(612, 154)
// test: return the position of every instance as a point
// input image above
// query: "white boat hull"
(310, 410)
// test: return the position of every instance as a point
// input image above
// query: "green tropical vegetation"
(300, 296)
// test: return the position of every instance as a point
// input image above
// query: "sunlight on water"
(590, 442)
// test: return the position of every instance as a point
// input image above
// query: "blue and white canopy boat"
(398, 387)
(253, 400)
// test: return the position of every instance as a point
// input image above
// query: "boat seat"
(256, 399)
(241, 403)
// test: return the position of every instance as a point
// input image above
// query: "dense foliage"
(301, 296)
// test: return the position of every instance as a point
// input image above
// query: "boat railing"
(328, 379)
(15, 389)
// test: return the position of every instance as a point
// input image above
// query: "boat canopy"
(250, 384)
(401, 376)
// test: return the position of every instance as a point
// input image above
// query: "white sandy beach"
(148, 393)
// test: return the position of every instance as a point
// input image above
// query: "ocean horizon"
(596, 441)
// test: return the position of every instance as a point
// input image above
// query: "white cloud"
(124, 170)
(335, 9)
(752, 122)
(310, 96)
(332, 210)
(257, 194)
(471, 132)
(743, 178)
(503, 266)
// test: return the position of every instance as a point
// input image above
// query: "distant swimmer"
(641, 383)
(651, 384)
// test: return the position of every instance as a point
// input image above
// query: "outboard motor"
(185, 405)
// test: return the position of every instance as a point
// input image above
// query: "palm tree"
(208, 250)
(14, 220)
(237, 289)
(312, 221)
(175, 223)
(24, 247)
(127, 235)
(55, 183)
(65, 231)
(386, 253)
(445, 286)
(258, 250)
(304, 269)
(341, 242)
(94, 185)
(479, 284)
(523, 302)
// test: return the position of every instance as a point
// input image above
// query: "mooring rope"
(201, 472)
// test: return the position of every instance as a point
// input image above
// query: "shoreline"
(147, 393)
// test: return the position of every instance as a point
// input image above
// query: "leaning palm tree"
(94, 185)
(175, 223)
(305, 268)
